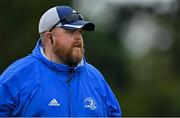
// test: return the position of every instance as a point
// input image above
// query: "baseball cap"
(65, 17)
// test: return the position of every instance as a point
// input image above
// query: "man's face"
(68, 46)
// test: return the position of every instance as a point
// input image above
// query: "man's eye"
(71, 31)
(75, 30)
(81, 31)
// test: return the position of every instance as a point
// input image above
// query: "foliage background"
(145, 85)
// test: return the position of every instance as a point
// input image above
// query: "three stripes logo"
(53, 103)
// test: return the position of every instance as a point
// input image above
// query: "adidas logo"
(53, 103)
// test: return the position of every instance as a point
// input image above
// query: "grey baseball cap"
(65, 17)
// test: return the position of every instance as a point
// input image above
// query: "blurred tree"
(155, 76)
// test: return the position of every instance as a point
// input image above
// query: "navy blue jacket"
(35, 86)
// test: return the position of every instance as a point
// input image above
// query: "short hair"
(42, 37)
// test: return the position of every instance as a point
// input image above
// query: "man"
(56, 80)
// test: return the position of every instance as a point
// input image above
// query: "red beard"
(71, 56)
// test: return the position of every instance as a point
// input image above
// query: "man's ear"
(52, 39)
(49, 37)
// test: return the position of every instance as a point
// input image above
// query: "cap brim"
(79, 25)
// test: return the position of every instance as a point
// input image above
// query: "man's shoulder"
(20, 65)
(94, 73)
(21, 71)
(20, 75)
(96, 79)
(92, 68)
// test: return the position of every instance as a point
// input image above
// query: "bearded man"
(55, 80)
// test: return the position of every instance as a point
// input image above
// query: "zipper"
(68, 82)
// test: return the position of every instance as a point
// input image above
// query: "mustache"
(78, 44)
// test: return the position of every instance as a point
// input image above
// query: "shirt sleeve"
(8, 89)
(114, 109)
